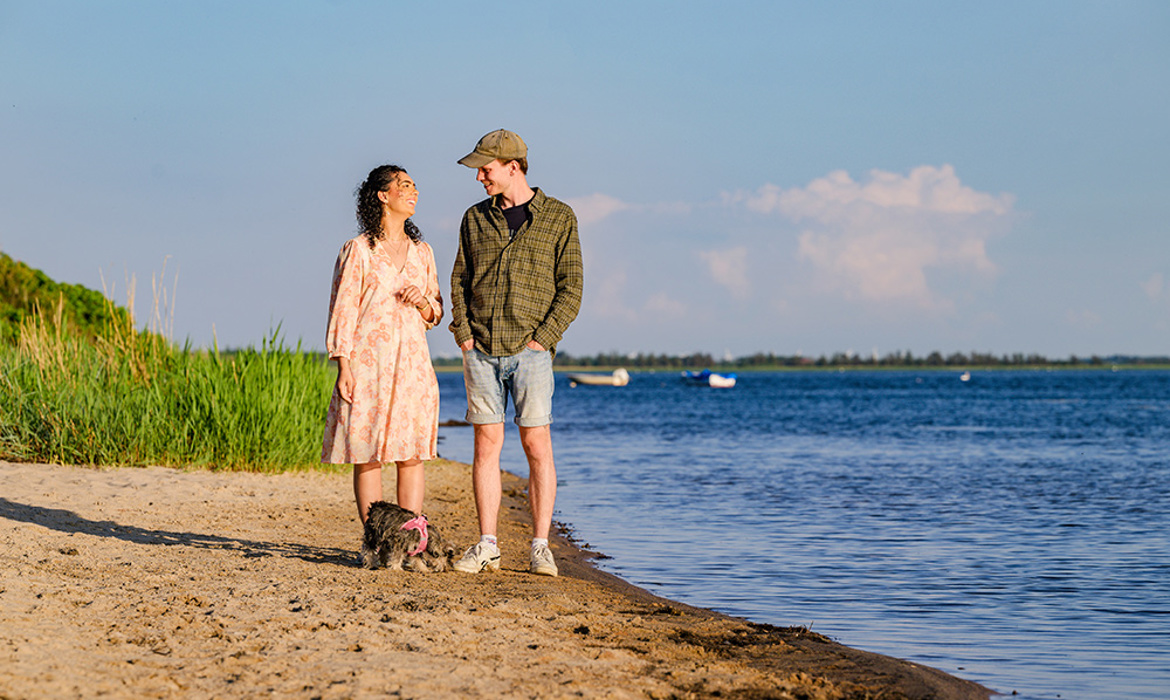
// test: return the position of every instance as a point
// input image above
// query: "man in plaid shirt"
(515, 289)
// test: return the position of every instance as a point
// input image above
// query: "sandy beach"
(163, 583)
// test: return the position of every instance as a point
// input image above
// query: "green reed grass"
(134, 398)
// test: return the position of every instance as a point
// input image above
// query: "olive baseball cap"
(501, 144)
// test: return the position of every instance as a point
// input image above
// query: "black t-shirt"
(516, 216)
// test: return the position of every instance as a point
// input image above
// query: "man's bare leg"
(485, 475)
(542, 478)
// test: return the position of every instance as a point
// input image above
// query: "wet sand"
(163, 583)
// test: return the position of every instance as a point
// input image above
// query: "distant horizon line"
(839, 358)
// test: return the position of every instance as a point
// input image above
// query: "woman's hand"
(413, 296)
(345, 382)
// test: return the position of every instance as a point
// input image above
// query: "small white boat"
(709, 378)
(620, 377)
(965, 377)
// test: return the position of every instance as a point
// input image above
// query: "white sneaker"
(542, 561)
(484, 555)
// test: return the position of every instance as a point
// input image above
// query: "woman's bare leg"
(367, 486)
(412, 484)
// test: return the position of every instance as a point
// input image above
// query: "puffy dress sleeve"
(433, 294)
(345, 301)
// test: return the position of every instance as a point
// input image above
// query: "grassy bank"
(127, 397)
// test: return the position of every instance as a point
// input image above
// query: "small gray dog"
(400, 539)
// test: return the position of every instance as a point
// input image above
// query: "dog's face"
(438, 556)
(385, 543)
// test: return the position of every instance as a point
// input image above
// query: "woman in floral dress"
(385, 406)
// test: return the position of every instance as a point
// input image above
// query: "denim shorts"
(527, 377)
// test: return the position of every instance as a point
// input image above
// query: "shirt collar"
(537, 201)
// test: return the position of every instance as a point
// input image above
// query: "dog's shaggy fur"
(386, 544)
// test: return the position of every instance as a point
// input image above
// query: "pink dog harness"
(420, 524)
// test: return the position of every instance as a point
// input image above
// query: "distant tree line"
(763, 360)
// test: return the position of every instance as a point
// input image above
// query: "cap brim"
(475, 160)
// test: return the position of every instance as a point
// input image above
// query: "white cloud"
(869, 252)
(729, 269)
(1153, 286)
(662, 305)
(926, 188)
(596, 207)
(880, 240)
(609, 299)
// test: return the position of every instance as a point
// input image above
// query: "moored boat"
(709, 378)
(619, 377)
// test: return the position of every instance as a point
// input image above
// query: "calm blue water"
(1013, 529)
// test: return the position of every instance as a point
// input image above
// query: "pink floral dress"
(395, 411)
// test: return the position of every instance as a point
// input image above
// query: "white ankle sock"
(490, 539)
(537, 541)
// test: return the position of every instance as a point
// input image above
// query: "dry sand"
(161, 583)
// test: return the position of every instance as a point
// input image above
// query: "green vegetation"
(24, 290)
(81, 385)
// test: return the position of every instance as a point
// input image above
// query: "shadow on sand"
(70, 522)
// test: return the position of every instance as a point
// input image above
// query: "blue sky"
(749, 176)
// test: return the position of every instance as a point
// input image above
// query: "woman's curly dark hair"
(369, 207)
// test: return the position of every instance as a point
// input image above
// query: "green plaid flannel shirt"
(506, 291)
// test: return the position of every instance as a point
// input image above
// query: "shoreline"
(133, 582)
